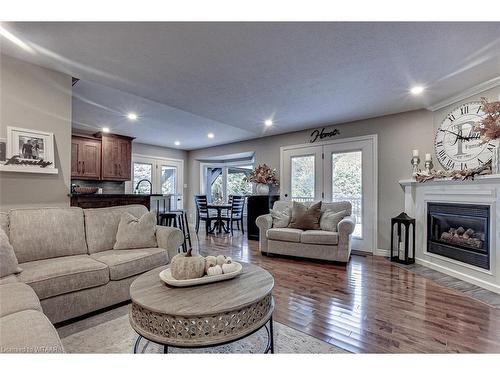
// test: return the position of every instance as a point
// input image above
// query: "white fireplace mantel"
(483, 190)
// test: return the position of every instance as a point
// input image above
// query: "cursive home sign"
(320, 134)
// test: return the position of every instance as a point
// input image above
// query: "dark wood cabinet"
(85, 158)
(258, 205)
(116, 157)
(106, 157)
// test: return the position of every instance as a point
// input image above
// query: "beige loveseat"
(316, 244)
(69, 269)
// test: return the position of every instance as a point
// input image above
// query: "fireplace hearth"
(459, 232)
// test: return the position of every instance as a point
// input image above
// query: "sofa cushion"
(304, 217)
(136, 232)
(28, 331)
(8, 279)
(126, 263)
(281, 219)
(51, 277)
(101, 225)
(4, 222)
(8, 260)
(284, 234)
(17, 297)
(319, 237)
(337, 207)
(330, 220)
(43, 233)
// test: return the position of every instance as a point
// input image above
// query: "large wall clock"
(457, 145)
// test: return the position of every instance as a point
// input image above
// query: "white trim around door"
(319, 165)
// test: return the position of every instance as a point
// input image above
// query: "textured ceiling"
(229, 77)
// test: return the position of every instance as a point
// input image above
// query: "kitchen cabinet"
(116, 157)
(105, 157)
(85, 158)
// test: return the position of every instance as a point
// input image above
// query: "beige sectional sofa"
(70, 266)
(315, 244)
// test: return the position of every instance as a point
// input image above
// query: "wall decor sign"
(29, 150)
(320, 134)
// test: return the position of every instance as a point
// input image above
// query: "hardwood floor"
(371, 306)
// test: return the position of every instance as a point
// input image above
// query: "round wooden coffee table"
(204, 315)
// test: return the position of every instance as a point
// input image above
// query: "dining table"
(219, 225)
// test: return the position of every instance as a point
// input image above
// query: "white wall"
(33, 97)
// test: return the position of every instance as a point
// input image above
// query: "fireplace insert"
(460, 232)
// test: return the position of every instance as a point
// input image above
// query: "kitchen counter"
(153, 202)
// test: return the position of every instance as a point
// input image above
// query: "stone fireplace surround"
(484, 190)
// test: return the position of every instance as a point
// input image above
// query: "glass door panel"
(168, 180)
(347, 183)
(302, 176)
(142, 171)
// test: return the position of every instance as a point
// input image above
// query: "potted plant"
(263, 176)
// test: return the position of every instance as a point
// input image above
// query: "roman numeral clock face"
(457, 145)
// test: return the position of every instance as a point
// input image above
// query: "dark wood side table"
(258, 205)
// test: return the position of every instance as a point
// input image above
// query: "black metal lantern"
(403, 239)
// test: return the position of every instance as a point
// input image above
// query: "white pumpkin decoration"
(209, 262)
(221, 259)
(214, 270)
(187, 266)
(229, 260)
(229, 267)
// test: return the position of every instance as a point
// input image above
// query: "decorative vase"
(262, 189)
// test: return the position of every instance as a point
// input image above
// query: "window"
(221, 182)
(302, 178)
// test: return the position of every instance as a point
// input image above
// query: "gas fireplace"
(459, 232)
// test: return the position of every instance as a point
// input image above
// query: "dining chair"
(202, 212)
(236, 213)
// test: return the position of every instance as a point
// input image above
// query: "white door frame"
(158, 161)
(374, 140)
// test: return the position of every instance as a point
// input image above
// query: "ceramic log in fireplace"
(459, 232)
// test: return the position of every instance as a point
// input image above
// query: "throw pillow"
(135, 233)
(330, 220)
(281, 219)
(8, 260)
(305, 218)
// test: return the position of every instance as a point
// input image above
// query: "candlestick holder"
(428, 166)
(415, 161)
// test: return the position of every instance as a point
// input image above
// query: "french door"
(336, 171)
(165, 175)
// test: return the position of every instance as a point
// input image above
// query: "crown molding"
(466, 94)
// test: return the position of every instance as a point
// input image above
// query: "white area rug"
(110, 332)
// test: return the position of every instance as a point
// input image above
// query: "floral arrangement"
(465, 174)
(263, 174)
(489, 126)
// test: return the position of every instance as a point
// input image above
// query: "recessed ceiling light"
(177, 143)
(105, 130)
(132, 116)
(210, 135)
(417, 90)
(268, 122)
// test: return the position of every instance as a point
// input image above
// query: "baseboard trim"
(381, 252)
(459, 275)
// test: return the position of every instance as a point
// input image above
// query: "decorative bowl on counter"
(85, 190)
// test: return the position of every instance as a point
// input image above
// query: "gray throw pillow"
(8, 259)
(281, 219)
(305, 218)
(135, 233)
(330, 220)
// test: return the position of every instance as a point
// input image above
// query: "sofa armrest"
(169, 238)
(264, 222)
(347, 225)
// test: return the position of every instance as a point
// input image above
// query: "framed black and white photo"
(30, 148)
